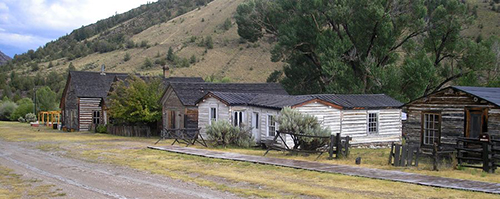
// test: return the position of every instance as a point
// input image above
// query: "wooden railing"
(334, 144)
(476, 151)
(188, 136)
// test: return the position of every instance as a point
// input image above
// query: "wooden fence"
(129, 131)
(482, 150)
(404, 155)
(335, 144)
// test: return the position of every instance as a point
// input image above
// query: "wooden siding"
(70, 108)
(327, 116)
(451, 105)
(171, 102)
(86, 108)
(204, 111)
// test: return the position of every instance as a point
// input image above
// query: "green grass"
(242, 178)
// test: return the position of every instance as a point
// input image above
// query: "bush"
(101, 129)
(126, 57)
(30, 117)
(226, 134)
(25, 106)
(293, 121)
(7, 107)
(21, 119)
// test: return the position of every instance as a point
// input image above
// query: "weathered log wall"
(451, 105)
(86, 108)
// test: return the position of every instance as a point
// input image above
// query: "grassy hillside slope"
(230, 57)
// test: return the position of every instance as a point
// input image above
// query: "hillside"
(4, 58)
(230, 57)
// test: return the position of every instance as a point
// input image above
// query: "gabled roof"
(92, 84)
(350, 101)
(190, 93)
(490, 94)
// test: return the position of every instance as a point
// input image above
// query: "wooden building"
(83, 102)
(452, 112)
(83, 96)
(367, 118)
(179, 99)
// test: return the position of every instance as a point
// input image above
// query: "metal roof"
(490, 94)
(190, 93)
(349, 101)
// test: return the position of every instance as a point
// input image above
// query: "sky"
(28, 24)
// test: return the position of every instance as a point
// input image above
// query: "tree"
(126, 57)
(170, 54)
(7, 107)
(135, 100)
(46, 99)
(24, 106)
(209, 43)
(363, 46)
(147, 63)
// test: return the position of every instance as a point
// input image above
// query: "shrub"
(30, 117)
(7, 107)
(226, 134)
(293, 121)
(25, 106)
(21, 119)
(126, 57)
(101, 129)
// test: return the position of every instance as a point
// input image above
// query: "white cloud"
(30, 22)
(3, 7)
(25, 41)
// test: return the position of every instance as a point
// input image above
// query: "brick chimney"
(166, 71)
(102, 69)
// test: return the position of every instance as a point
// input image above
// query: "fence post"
(487, 163)
(435, 157)
(347, 146)
(330, 147)
(391, 154)
(338, 145)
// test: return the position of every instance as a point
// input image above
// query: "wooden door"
(255, 126)
(476, 122)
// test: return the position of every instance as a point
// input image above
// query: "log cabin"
(82, 98)
(179, 99)
(83, 101)
(456, 111)
(373, 119)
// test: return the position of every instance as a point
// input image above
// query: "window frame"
(271, 119)
(96, 119)
(238, 118)
(212, 111)
(377, 123)
(424, 127)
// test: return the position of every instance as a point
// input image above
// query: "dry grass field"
(243, 179)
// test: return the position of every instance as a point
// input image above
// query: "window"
(372, 123)
(271, 125)
(431, 128)
(96, 117)
(238, 118)
(213, 115)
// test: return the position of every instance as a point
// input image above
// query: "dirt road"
(80, 179)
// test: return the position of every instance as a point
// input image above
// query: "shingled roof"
(190, 93)
(490, 94)
(349, 101)
(92, 84)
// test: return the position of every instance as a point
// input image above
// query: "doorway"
(255, 126)
(476, 122)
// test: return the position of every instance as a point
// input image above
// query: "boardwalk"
(396, 176)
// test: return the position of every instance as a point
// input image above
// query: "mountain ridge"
(4, 58)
